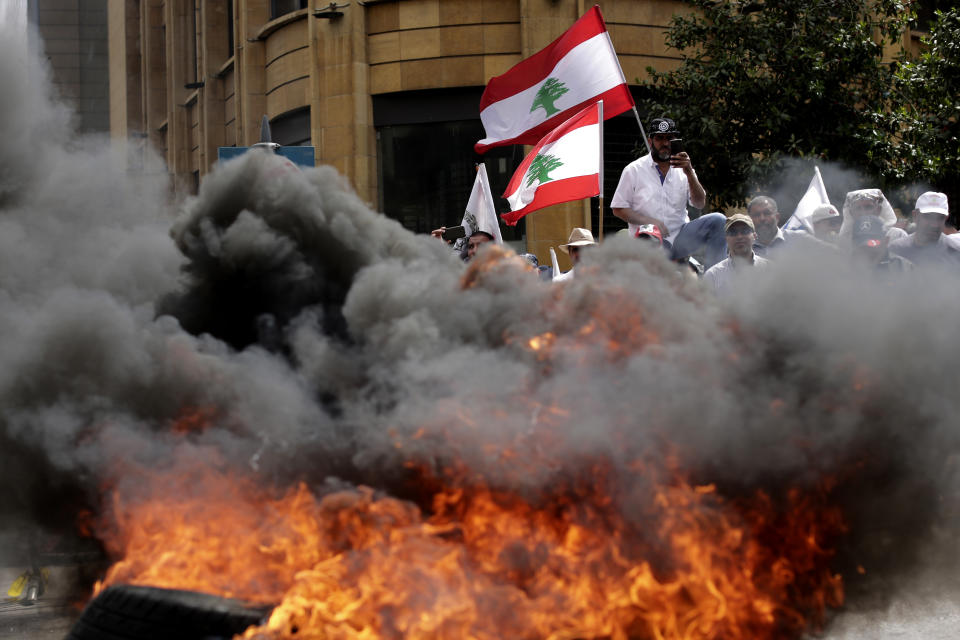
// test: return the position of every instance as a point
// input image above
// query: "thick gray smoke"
(320, 339)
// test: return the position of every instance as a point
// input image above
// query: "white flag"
(480, 214)
(815, 196)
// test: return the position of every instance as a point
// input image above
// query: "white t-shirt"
(719, 276)
(640, 190)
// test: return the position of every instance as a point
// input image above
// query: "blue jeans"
(706, 232)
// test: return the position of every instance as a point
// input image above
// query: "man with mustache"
(740, 237)
(657, 188)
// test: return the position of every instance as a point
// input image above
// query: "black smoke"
(323, 341)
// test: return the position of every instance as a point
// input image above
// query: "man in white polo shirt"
(928, 245)
(740, 237)
(656, 189)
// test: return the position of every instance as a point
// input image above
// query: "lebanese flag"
(578, 68)
(564, 166)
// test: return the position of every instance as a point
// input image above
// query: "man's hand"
(637, 218)
(681, 161)
(438, 233)
(698, 196)
(664, 232)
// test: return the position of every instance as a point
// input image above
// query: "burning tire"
(127, 612)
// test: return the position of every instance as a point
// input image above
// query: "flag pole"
(642, 132)
(600, 199)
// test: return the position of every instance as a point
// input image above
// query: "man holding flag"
(656, 189)
(479, 218)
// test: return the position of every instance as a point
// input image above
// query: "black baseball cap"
(868, 231)
(662, 125)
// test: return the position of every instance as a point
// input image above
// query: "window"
(230, 45)
(427, 173)
(192, 35)
(292, 129)
(283, 7)
(426, 162)
(926, 10)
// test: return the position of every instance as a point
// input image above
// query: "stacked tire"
(127, 612)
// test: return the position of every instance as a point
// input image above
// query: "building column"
(341, 117)
(126, 106)
(213, 53)
(249, 74)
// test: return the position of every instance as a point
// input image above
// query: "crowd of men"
(652, 198)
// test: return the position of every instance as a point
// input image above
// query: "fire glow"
(477, 562)
(603, 550)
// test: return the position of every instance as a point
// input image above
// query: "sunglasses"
(739, 231)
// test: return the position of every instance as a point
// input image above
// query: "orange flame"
(681, 562)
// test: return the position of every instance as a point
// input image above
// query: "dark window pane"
(427, 172)
(230, 51)
(283, 7)
(292, 129)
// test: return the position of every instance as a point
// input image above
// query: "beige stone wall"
(426, 44)
(126, 108)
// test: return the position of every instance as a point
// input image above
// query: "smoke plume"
(319, 341)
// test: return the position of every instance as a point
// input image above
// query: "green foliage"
(548, 93)
(762, 81)
(927, 113)
(541, 166)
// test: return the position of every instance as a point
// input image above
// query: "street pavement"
(53, 613)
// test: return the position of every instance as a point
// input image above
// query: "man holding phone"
(656, 188)
(472, 243)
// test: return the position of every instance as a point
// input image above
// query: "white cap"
(824, 212)
(933, 202)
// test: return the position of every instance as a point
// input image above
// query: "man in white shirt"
(765, 214)
(928, 245)
(740, 236)
(656, 189)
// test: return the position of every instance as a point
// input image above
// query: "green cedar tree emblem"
(547, 95)
(540, 168)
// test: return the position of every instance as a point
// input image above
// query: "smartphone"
(676, 146)
(452, 233)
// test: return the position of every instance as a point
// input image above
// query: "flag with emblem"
(480, 214)
(563, 166)
(535, 96)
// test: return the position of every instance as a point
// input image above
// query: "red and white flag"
(535, 96)
(564, 166)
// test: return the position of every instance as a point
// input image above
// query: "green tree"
(927, 115)
(548, 93)
(762, 81)
(541, 166)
